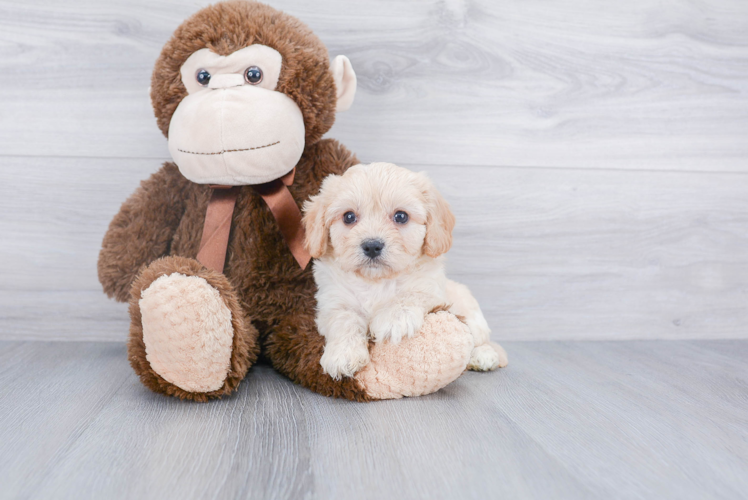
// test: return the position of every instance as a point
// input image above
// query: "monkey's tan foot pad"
(189, 336)
(432, 359)
(187, 332)
(488, 357)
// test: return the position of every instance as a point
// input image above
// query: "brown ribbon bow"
(215, 239)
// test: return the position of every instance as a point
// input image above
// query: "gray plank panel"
(579, 83)
(634, 419)
(635, 412)
(50, 394)
(550, 253)
(579, 254)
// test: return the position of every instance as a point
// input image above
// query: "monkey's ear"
(345, 82)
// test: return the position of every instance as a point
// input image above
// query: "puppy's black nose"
(372, 248)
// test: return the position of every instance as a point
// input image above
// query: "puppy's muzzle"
(372, 248)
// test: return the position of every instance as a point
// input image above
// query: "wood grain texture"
(636, 419)
(549, 253)
(575, 83)
(631, 223)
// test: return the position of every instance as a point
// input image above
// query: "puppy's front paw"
(344, 360)
(488, 357)
(395, 323)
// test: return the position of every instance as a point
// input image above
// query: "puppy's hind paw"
(488, 357)
(344, 361)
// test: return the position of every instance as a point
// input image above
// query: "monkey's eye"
(349, 217)
(253, 75)
(400, 217)
(203, 77)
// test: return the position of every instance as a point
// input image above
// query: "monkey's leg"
(414, 367)
(420, 365)
(189, 337)
(295, 348)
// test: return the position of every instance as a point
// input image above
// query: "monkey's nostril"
(372, 248)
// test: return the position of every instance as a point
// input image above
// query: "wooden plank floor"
(633, 419)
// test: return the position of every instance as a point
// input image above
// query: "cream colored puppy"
(378, 232)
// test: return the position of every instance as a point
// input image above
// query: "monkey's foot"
(188, 335)
(420, 365)
(488, 357)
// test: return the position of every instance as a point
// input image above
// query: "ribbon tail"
(218, 216)
(288, 217)
(217, 227)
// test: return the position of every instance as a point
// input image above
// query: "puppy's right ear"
(440, 221)
(314, 222)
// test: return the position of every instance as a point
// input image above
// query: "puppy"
(378, 233)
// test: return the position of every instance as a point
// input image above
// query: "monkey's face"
(233, 127)
(240, 88)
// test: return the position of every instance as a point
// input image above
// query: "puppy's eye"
(203, 77)
(400, 217)
(349, 217)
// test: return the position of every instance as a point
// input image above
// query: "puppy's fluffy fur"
(384, 296)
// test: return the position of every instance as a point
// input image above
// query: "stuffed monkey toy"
(209, 251)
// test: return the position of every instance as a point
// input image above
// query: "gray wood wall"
(595, 152)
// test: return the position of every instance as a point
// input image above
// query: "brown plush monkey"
(244, 94)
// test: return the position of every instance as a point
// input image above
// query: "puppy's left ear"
(440, 221)
(314, 222)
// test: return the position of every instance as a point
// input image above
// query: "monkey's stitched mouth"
(228, 150)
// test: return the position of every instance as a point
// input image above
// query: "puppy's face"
(377, 220)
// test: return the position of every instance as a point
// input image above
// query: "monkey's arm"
(323, 158)
(142, 231)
